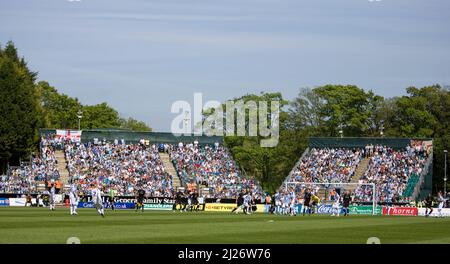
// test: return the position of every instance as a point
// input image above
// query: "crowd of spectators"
(43, 168)
(327, 165)
(18, 180)
(122, 167)
(212, 167)
(390, 170)
(129, 167)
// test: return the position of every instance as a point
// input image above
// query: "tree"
(305, 112)
(59, 110)
(413, 116)
(326, 109)
(349, 107)
(99, 116)
(134, 125)
(387, 113)
(269, 165)
(19, 109)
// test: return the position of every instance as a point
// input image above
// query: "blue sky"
(142, 55)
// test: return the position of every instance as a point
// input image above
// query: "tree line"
(27, 105)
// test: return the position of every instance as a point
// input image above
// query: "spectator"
(390, 170)
(123, 167)
(213, 167)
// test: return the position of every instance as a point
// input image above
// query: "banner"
(219, 207)
(17, 201)
(72, 135)
(154, 206)
(364, 210)
(324, 209)
(132, 199)
(228, 207)
(116, 205)
(400, 211)
(354, 209)
(444, 211)
(4, 202)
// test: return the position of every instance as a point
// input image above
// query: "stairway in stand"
(362, 167)
(62, 169)
(168, 165)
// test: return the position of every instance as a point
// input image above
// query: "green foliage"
(19, 108)
(325, 110)
(268, 165)
(134, 125)
(99, 116)
(60, 110)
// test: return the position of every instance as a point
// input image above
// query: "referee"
(347, 198)
(178, 201)
(140, 200)
(111, 198)
(239, 202)
(429, 205)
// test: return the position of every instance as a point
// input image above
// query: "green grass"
(39, 225)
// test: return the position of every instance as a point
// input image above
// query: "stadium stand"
(28, 177)
(396, 173)
(327, 165)
(391, 170)
(18, 180)
(397, 170)
(124, 168)
(213, 167)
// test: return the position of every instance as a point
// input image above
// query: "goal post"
(326, 186)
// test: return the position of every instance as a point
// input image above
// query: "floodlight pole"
(445, 172)
(79, 115)
(374, 203)
(382, 128)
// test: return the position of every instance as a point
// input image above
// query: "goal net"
(363, 195)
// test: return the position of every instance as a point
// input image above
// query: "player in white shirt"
(336, 208)
(52, 197)
(97, 200)
(277, 203)
(285, 203)
(247, 201)
(292, 204)
(73, 199)
(189, 202)
(442, 201)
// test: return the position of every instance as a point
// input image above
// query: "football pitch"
(39, 225)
